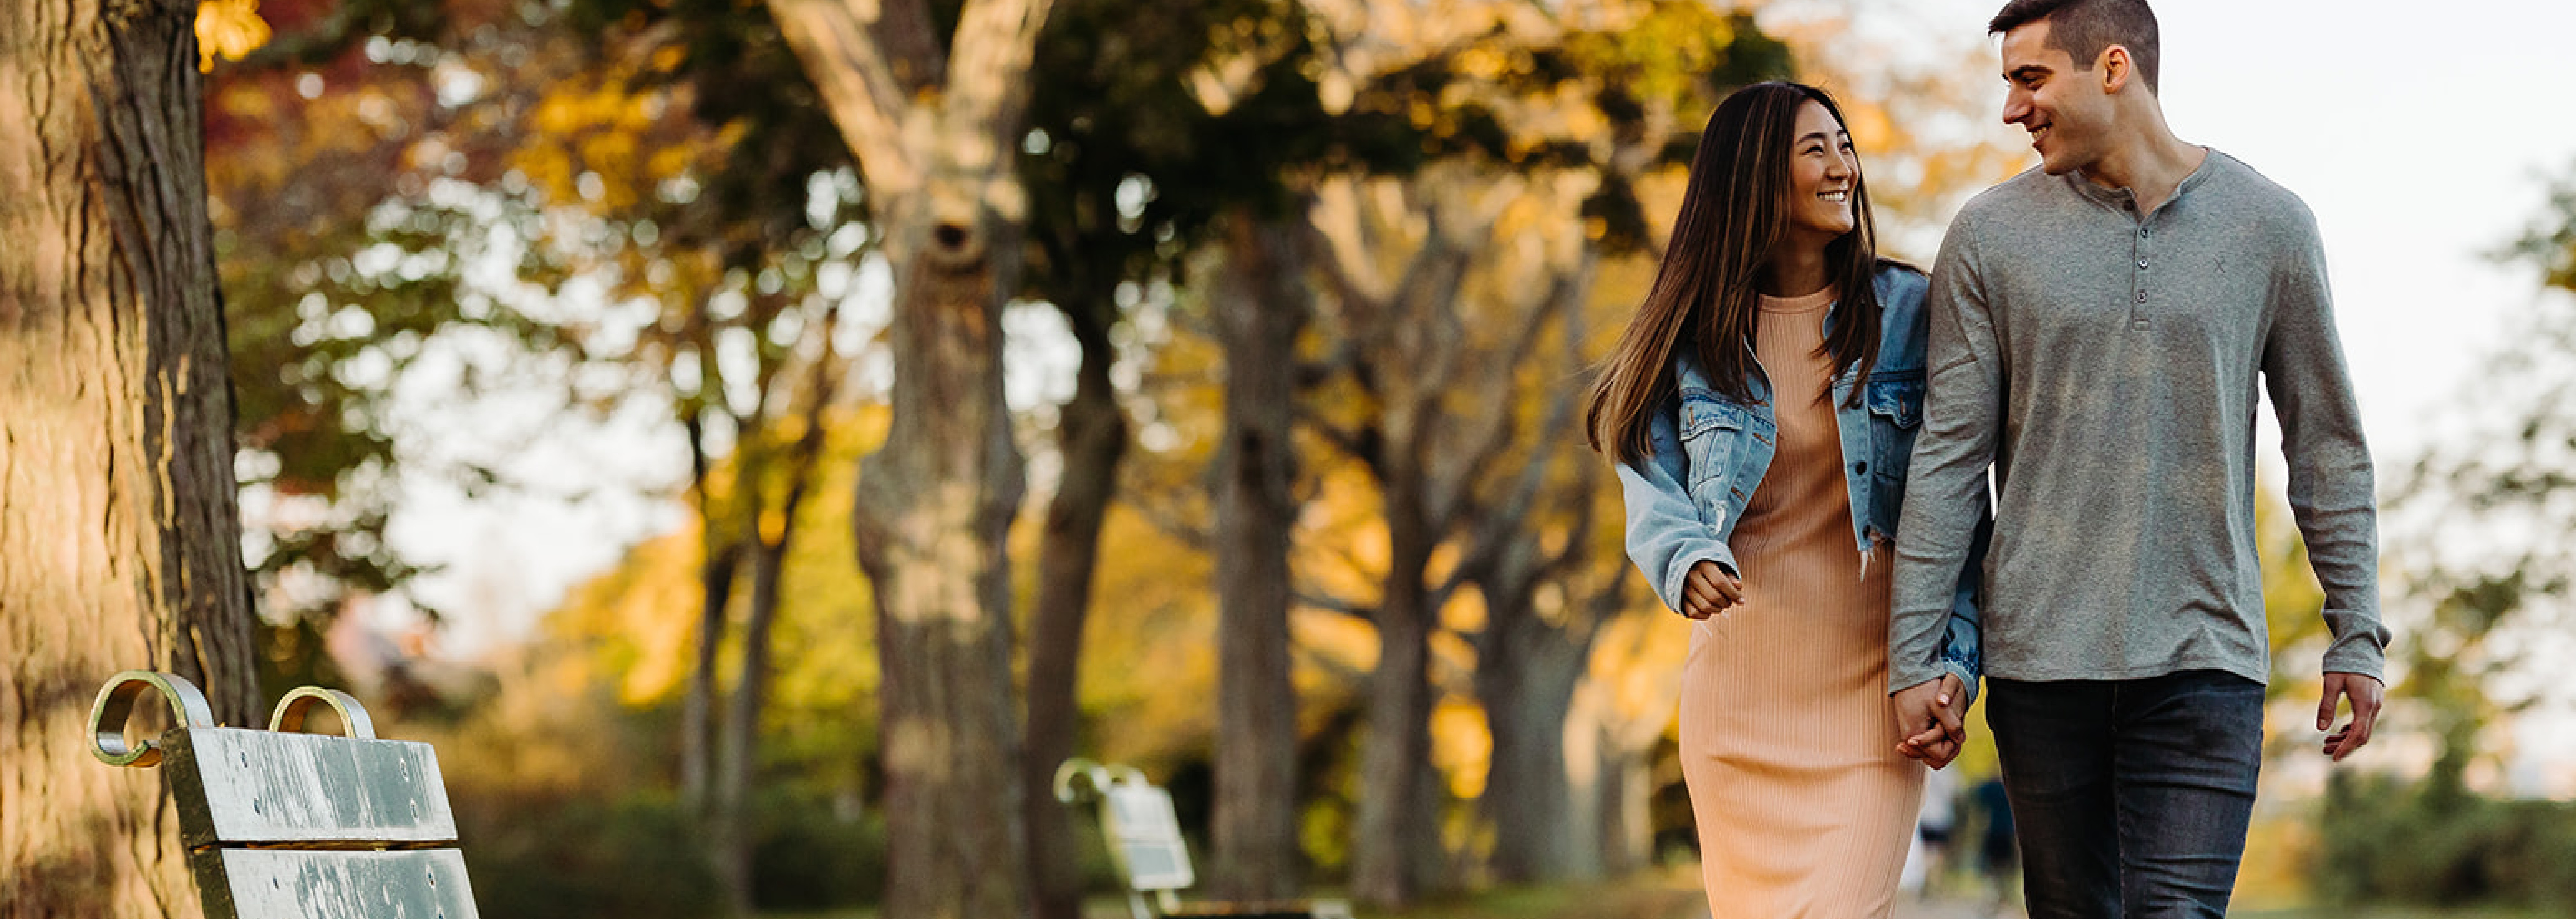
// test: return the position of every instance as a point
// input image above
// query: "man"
(2097, 328)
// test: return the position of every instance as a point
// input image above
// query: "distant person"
(2099, 328)
(1761, 408)
(1998, 863)
(1934, 827)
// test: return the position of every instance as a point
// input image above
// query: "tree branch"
(860, 87)
(988, 74)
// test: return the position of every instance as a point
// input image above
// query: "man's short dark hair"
(2082, 28)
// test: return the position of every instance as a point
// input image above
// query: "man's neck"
(2150, 164)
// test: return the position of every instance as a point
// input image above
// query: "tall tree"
(933, 121)
(1259, 307)
(120, 540)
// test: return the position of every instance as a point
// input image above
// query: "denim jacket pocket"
(1712, 431)
(1895, 414)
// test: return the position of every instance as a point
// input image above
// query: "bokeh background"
(559, 328)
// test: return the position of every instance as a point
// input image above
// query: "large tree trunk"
(1260, 307)
(1395, 820)
(119, 539)
(934, 129)
(1093, 437)
(1525, 678)
(1587, 783)
(934, 507)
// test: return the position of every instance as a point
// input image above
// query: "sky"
(2422, 136)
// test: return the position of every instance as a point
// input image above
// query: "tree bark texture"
(120, 541)
(1092, 435)
(1395, 822)
(934, 131)
(1260, 308)
(1526, 671)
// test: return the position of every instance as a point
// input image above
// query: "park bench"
(283, 824)
(1144, 839)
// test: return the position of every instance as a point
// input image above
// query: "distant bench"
(282, 824)
(1144, 840)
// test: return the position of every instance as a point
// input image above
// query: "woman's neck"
(1795, 269)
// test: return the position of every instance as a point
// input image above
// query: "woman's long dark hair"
(1735, 210)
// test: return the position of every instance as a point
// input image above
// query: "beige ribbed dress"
(1788, 737)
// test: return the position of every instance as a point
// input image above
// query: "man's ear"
(2116, 68)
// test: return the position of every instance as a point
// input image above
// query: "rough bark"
(1092, 437)
(119, 537)
(1260, 306)
(934, 135)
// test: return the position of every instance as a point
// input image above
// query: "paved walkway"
(1948, 909)
(1925, 909)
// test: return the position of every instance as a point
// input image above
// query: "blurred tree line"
(2490, 568)
(1320, 546)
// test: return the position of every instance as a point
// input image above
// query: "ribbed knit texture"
(1788, 738)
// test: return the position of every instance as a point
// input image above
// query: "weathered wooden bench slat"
(309, 884)
(270, 787)
(281, 824)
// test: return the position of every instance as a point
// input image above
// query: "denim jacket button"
(1860, 467)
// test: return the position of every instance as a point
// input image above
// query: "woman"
(1762, 406)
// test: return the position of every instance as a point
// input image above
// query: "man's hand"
(1708, 590)
(2365, 695)
(1930, 718)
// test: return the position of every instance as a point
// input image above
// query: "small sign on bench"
(282, 824)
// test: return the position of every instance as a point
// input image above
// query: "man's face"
(2065, 110)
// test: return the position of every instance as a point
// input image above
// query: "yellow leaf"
(231, 28)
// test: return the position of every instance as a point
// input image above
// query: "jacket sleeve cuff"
(1967, 678)
(1688, 559)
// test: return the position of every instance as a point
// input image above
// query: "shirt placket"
(2139, 259)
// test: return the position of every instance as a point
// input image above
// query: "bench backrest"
(281, 824)
(1136, 820)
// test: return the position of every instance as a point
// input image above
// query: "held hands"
(1930, 716)
(2365, 695)
(1708, 590)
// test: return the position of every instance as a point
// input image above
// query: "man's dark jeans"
(2130, 797)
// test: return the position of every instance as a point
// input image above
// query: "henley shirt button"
(2142, 264)
(2142, 296)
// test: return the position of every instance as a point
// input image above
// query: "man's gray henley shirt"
(2103, 362)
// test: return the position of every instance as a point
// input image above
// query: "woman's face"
(1823, 171)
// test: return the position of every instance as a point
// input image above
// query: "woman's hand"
(1930, 718)
(1709, 590)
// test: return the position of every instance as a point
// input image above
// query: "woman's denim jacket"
(1710, 453)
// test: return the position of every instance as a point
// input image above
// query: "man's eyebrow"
(2017, 74)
